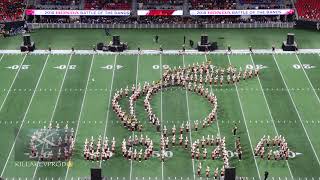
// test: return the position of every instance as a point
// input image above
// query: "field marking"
(109, 103)
(211, 89)
(53, 112)
(270, 114)
(312, 87)
(161, 120)
(262, 121)
(137, 75)
(295, 107)
(165, 52)
(14, 79)
(81, 109)
(26, 112)
(1, 57)
(244, 119)
(49, 90)
(190, 134)
(155, 178)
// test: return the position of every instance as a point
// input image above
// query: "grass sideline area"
(168, 38)
(38, 88)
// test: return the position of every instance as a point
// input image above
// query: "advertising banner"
(246, 12)
(78, 12)
(159, 12)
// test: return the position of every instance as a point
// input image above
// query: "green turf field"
(76, 90)
(284, 100)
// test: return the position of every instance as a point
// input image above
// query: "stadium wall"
(304, 24)
(12, 25)
(159, 26)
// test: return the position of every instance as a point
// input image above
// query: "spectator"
(11, 10)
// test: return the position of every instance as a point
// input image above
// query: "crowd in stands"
(264, 4)
(308, 9)
(107, 4)
(59, 2)
(11, 10)
(213, 4)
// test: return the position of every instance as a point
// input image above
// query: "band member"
(173, 140)
(216, 173)
(187, 126)
(174, 130)
(240, 155)
(234, 130)
(180, 140)
(269, 154)
(181, 128)
(186, 142)
(199, 169)
(140, 155)
(205, 153)
(162, 155)
(207, 171)
(197, 154)
(196, 125)
(164, 131)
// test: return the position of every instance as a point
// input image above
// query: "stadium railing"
(159, 26)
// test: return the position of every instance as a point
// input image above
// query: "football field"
(76, 89)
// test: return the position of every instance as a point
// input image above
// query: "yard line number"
(304, 66)
(25, 66)
(61, 67)
(257, 66)
(109, 67)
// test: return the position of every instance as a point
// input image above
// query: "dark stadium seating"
(308, 9)
(11, 10)
(107, 4)
(213, 4)
(263, 4)
(58, 2)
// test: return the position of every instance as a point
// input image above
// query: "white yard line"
(27, 110)
(161, 121)
(81, 110)
(54, 109)
(1, 57)
(190, 134)
(219, 134)
(244, 119)
(14, 79)
(315, 93)
(109, 102)
(295, 107)
(270, 114)
(137, 75)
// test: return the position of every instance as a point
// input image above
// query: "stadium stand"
(165, 4)
(11, 10)
(263, 4)
(58, 2)
(213, 4)
(308, 9)
(107, 4)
